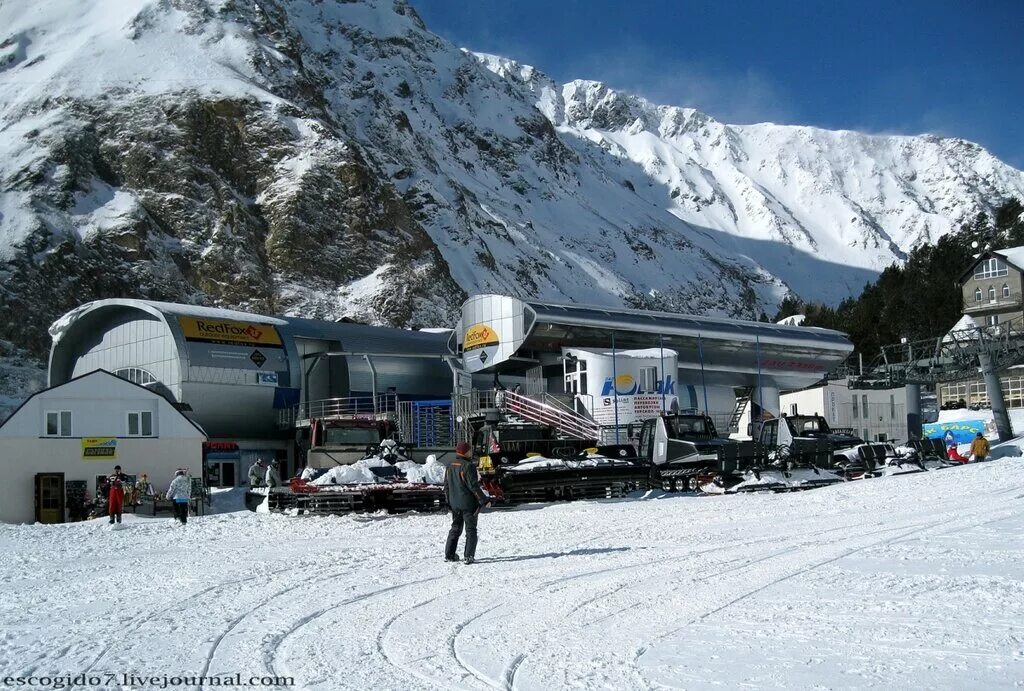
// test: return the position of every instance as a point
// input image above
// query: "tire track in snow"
(512, 669)
(178, 606)
(270, 655)
(807, 568)
(212, 653)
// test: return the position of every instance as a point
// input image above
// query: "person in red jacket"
(115, 495)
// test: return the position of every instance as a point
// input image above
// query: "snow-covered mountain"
(331, 157)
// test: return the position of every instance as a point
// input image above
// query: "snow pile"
(358, 473)
(431, 472)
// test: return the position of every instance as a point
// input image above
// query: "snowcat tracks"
(567, 484)
(358, 499)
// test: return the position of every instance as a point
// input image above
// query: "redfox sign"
(479, 346)
(229, 332)
(479, 336)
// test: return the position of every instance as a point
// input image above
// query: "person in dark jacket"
(465, 499)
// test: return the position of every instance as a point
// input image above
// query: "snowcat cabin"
(679, 438)
(807, 425)
(690, 426)
(342, 442)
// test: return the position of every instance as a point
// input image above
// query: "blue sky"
(954, 68)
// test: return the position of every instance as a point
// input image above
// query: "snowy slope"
(906, 582)
(782, 194)
(331, 158)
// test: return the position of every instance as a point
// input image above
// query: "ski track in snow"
(912, 580)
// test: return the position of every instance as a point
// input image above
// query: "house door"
(50, 497)
(221, 474)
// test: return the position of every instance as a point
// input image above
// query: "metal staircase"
(741, 406)
(545, 409)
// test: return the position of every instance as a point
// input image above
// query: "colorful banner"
(229, 332)
(99, 448)
(959, 432)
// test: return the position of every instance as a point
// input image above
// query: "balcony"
(1001, 304)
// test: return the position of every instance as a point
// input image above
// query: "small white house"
(78, 431)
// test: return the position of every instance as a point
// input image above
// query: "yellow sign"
(229, 332)
(99, 448)
(479, 336)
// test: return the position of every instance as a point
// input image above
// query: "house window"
(140, 424)
(58, 423)
(856, 412)
(864, 401)
(992, 319)
(977, 294)
(990, 268)
(649, 379)
(792, 409)
(1006, 291)
(991, 294)
(892, 406)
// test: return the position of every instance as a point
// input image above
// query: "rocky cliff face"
(333, 158)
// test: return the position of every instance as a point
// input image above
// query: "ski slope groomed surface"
(905, 582)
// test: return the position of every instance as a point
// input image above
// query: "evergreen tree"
(920, 298)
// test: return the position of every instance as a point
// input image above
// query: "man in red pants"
(115, 495)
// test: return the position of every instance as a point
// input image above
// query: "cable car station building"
(253, 382)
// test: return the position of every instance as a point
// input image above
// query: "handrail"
(346, 406)
(559, 417)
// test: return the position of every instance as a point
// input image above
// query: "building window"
(990, 268)
(977, 295)
(1006, 291)
(856, 413)
(864, 401)
(136, 375)
(792, 409)
(892, 406)
(649, 379)
(140, 424)
(992, 319)
(991, 294)
(58, 423)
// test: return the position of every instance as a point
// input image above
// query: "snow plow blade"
(749, 467)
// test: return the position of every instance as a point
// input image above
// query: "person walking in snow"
(980, 447)
(257, 473)
(465, 499)
(273, 478)
(115, 494)
(180, 492)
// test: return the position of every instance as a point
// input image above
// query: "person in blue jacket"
(180, 492)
